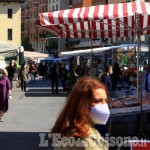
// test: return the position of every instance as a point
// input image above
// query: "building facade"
(10, 21)
(54, 5)
(30, 31)
(86, 3)
(37, 36)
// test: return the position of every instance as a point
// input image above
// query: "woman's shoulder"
(6, 78)
(96, 141)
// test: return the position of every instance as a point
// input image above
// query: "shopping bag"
(18, 84)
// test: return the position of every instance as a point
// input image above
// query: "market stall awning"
(95, 50)
(31, 54)
(102, 21)
(8, 49)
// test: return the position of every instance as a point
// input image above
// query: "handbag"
(18, 84)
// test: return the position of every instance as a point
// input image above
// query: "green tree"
(46, 34)
(52, 45)
(26, 44)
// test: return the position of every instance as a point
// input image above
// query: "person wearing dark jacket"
(106, 78)
(23, 73)
(11, 71)
(54, 75)
(44, 70)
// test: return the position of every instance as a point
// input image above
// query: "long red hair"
(74, 118)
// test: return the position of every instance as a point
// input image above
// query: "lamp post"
(51, 38)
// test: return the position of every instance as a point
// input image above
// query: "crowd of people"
(112, 76)
(86, 105)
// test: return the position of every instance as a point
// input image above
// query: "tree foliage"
(26, 44)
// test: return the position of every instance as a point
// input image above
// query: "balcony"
(36, 4)
(28, 17)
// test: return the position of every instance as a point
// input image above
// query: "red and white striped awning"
(112, 20)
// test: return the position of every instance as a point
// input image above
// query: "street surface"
(33, 113)
(30, 114)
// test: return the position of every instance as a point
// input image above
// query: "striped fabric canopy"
(102, 21)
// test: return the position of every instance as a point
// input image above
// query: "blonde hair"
(4, 72)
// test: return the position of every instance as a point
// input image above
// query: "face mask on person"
(1, 76)
(145, 71)
(99, 114)
(111, 72)
(131, 79)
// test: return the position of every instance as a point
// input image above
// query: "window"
(9, 13)
(77, 1)
(56, 7)
(9, 34)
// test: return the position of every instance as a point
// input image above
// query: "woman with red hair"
(85, 106)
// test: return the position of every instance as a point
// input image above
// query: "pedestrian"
(85, 106)
(116, 76)
(44, 70)
(11, 71)
(106, 79)
(146, 79)
(34, 73)
(63, 75)
(5, 92)
(54, 75)
(22, 76)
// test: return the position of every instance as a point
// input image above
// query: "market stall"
(8, 49)
(104, 21)
(35, 55)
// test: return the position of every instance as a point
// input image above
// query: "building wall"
(55, 5)
(119, 1)
(13, 23)
(85, 3)
(30, 13)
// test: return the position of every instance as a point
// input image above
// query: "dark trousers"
(54, 82)
(63, 84)
(23, 85)
(44, 75)
(11, 81)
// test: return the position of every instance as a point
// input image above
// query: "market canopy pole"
(149, 51)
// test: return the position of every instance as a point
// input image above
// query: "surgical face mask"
(131, 79)
(1, 76)
(145, 71)
(99, 114)
(111, 72)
